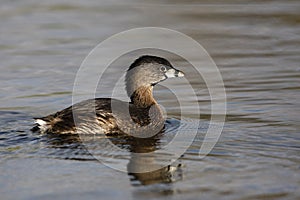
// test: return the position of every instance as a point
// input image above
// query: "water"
(256, 47)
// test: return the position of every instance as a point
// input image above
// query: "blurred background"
(255, 44)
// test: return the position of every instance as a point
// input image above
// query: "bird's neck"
(143, 97)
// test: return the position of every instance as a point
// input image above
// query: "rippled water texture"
(256, 47)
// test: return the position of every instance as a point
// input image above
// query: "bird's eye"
(163, 68)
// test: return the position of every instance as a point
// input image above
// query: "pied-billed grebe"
(109, 116)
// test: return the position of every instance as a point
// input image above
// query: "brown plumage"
(140, 117)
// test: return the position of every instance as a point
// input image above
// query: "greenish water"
(256, 47)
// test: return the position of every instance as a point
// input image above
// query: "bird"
(142, 116)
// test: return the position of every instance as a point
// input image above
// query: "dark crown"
(149, 59)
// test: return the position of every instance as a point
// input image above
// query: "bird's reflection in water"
(151, 168)
(143, 169)
(166, 174)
